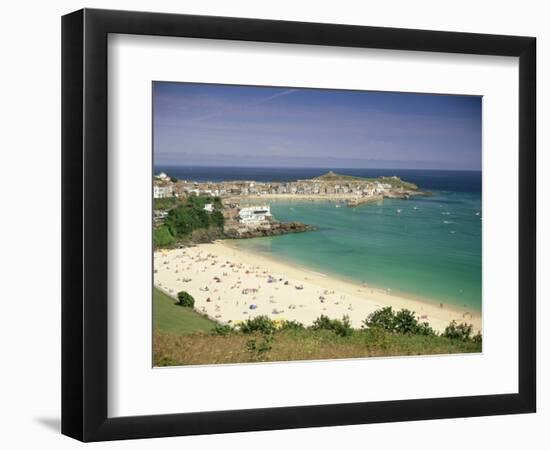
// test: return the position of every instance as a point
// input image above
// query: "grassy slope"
(198, 348)
(171, 318)
(182, 337)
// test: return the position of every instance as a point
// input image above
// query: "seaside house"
(254, 215)
(163, 191)
(162, 177)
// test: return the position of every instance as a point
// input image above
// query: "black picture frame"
(84, 224)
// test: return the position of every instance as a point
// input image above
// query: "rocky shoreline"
(274, 229)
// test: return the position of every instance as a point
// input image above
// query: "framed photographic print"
(273, 224)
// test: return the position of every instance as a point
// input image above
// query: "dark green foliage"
(401, 322)
(340, 327)
(217, 219)
(461, 331)
(182, 221)
(292, 325)
(173, 179)
(190, 216)
(204, 218)
(165, 203)
(405, 322)
(222, 330)
(478, 339)
(382, 319)
(186, 299)
(424, 329)
(162, 237)
(217, 202)
(260, 324)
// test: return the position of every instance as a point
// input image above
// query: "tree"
(382, 319)
(185, 299)
(182, 221)
(405, 322)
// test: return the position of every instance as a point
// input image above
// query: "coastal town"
(246, 207)
(328, 186)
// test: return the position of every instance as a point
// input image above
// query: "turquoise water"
(426, 247)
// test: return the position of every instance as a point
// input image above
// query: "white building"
(254, 214)
(209, 207)
(160, 191)
(162, 176)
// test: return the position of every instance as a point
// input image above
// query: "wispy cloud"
(232, 109)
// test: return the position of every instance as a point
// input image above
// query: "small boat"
(398, 211)
(338, 206)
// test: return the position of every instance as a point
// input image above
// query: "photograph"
(314, 224)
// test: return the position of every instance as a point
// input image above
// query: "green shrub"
(185, 299)
(340, 327)
(222, 330)
(191, 216)
(478, 339)
(400, 322)
(260, 324)
(461, 331)
(405, 322)
(425, 330)
(381, 318)
(292, 325)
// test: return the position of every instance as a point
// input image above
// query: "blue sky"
(220, 125)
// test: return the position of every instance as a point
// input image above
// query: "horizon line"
(313, 167)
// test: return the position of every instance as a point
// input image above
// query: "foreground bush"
(382, 319)
(292, 325)
(461, 331)
(185, 299)
(260, 324)
(222, 330)
(402, 322)
(340, 327)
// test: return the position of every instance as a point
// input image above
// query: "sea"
(427, 247)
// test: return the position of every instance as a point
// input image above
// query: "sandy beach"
(230, 285)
